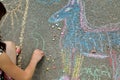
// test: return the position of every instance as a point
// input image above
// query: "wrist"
(33, 62)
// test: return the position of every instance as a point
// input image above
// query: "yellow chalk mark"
(67, 64)
(3, 20)
(64, 61)
(23, 24)
(78, 65)
(12, 20)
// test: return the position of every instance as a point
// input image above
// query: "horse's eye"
(68, 9)
(56, 16)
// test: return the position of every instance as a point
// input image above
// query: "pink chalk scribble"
(104, 28)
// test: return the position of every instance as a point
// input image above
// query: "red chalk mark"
(113, 56)
(113, 60)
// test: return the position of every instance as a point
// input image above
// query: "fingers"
(39, 51)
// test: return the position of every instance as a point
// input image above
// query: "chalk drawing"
(78, 36)
(95, 73)
(67, 65)
(75, 36)
(117, 71)
(14, 10)
(23, 24)
(37, 38)
(48, 2)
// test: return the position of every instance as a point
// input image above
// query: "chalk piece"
(47, 69)
(59, 28)
(53, 39)
(57, 24)
(20, 38)
(53, 26)
(53, 60)
(19, 60)
(48, 59)
(20, 57)
(62, 33)
(63, 71)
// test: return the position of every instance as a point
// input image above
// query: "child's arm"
(15, 72)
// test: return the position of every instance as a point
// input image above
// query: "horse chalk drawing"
(78, 36)
(74, 36)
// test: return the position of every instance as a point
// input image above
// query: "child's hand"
(37, 55)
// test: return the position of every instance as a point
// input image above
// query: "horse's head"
(69, 10)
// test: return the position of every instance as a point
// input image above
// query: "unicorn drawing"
(78, 36)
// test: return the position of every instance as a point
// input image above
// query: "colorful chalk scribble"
(78, 39)
(95, 72)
